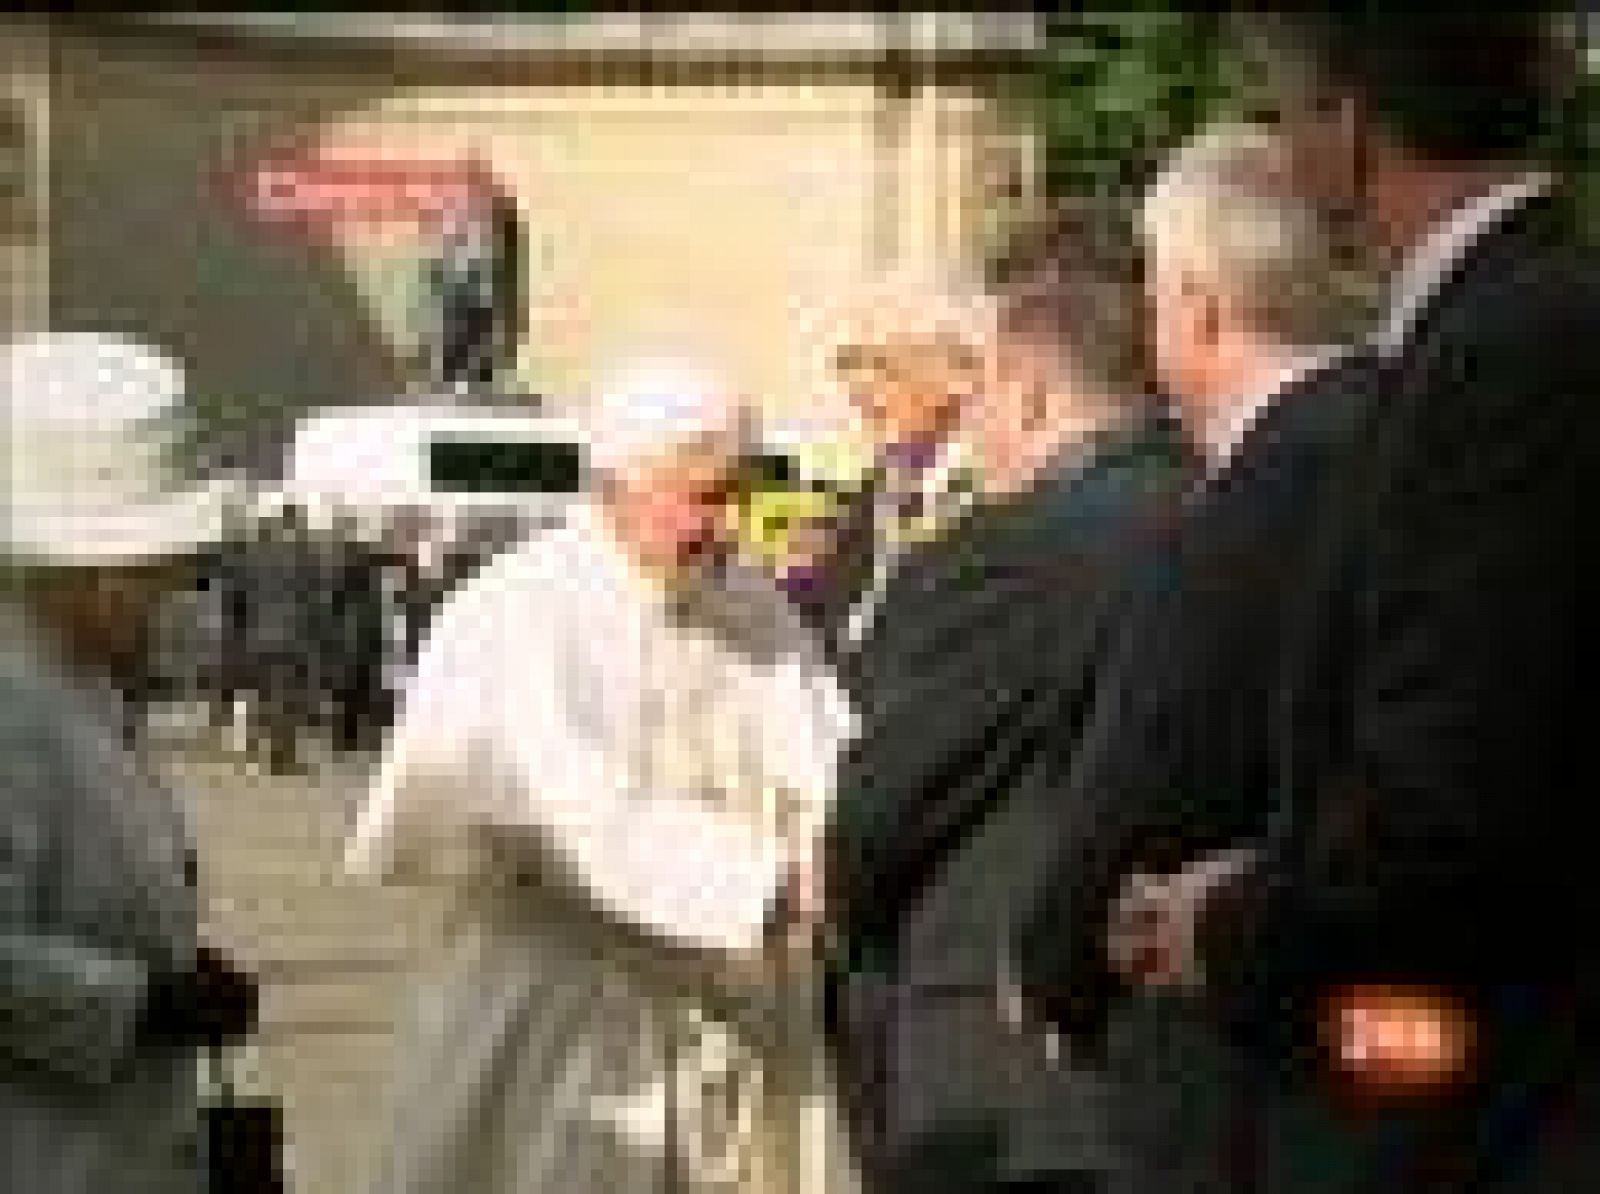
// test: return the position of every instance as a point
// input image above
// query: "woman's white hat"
(89, 425)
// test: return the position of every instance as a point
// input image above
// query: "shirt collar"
(1428, 265)
(933, 476)
(955, 457)
(1229, 433)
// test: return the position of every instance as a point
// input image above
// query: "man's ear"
(1038, 404)
(1205, 311)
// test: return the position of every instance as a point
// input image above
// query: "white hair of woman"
(931, 305)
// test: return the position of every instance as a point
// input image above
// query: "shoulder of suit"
(1149, 459)
(1549, 289)
(1536, 321)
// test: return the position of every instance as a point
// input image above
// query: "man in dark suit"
(1176, 759)
(1401, 950)
(985, 639)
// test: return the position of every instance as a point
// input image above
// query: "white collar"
(1428, 265)
(935, 486)
(1229, 433)
(954, 455)
(934, 482)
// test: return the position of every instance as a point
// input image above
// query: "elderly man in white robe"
(619, 747)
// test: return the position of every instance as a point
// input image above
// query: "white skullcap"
(653, 405)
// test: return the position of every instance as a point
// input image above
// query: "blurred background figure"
(475, 293)
(301, 626)
(107, 995)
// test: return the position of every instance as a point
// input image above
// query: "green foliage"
(1114, 90)
(1577, 147)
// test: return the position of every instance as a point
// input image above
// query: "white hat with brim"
(88, 481)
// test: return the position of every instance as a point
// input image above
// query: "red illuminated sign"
(324, 192)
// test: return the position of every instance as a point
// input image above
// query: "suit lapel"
(941, 500)
(1500, 246)
(992, 688)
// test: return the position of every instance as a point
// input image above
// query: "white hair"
(1215, 213)
(915, 304)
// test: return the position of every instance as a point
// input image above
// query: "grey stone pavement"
(335, 955)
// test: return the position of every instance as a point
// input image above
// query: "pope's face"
(680, 503)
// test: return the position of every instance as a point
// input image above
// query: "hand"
(804, 905)
(1144, 942)
(792, 928)
(231, 999)
(213, 1003)
(1153, 939)
(1398, 1042)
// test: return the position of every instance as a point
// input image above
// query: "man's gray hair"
(1070, 279)
(1219, 211)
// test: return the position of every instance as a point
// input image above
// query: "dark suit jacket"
(982, 649)
(1419, 818)
(1432, 825)
(1177, 759)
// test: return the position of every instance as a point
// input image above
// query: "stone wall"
(729, 212)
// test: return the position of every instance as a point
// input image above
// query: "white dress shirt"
(941, 501)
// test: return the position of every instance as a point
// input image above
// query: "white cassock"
(612, 787)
